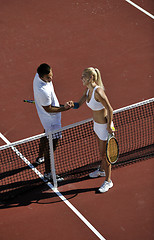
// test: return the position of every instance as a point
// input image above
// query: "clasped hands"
(69, 104)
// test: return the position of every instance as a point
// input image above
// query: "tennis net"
(77, 152)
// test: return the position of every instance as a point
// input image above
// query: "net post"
(52, 162)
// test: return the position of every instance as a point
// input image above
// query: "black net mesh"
(77, 152)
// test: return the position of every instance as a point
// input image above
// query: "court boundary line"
(139, 8)
(55, 190)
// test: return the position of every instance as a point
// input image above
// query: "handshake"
(71, 104)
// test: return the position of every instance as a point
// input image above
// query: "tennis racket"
(112, 149)
(29, 101)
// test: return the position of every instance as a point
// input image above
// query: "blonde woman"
(97, 101)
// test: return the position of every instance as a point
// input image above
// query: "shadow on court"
(44, 195)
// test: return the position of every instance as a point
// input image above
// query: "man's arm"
(52, 109)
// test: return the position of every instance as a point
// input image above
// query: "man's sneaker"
(105, 186)
(97, 173)
(39, 160)
(48, 177)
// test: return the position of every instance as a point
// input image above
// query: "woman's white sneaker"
(105, 186)
(97, 173)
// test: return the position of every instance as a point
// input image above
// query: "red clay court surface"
(70, 35)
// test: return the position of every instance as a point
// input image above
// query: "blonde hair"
(90, 71)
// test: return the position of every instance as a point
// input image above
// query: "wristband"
(76, 105)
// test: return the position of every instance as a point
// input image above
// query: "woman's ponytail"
(99, 79)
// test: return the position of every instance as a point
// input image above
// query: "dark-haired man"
(49, 111)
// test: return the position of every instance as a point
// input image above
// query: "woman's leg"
(105, 165)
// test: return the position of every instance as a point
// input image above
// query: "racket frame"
(109, 137)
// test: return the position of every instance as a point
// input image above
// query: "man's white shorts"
(53, 128)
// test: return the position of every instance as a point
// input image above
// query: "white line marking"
(141, 9)
(85, 221)
(78, 214)
(4, 138)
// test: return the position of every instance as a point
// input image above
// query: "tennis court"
(115, 36)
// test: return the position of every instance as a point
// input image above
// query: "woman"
(97, 100)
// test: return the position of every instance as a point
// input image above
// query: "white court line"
(141, 9)
(83, 219)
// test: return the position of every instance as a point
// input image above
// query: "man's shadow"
(44, 195)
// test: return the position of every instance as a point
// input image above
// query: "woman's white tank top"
(93, 104)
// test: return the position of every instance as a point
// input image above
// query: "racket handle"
(29, 101)
(110, 135)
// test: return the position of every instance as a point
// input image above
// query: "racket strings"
(112, 150)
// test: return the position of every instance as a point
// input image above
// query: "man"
(49, 112)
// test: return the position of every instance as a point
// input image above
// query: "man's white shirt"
(44, 95)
